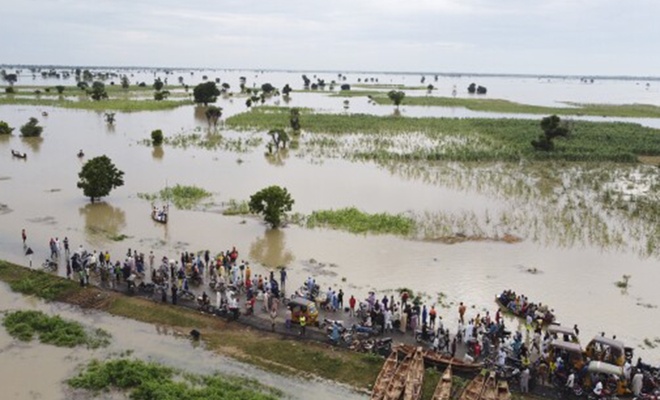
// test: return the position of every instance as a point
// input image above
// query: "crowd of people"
(478, 338)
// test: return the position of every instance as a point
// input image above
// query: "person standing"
(24, 236)
(461, 312)
(174, 294)
(340, 299)
(151, 260)
(273, 316)
(432, 316)
(66, 247)
(351, 305)
(637, 383)
(524, 381)
(303, 323)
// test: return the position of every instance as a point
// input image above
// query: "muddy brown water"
(37, 371)
(40, 195)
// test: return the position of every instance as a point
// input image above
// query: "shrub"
(157, 137)
(31, 128)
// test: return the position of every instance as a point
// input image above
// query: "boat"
(160, 215)
(474, 389)
(443, 389)
(490, 388)
(81, 154)
(398, 382)
(503, 391)
(435, 359)
(544, 318)
(385, 376)
(18, 154)
(413, 389)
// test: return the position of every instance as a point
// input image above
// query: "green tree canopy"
(31, 128)
(396, 96)
(125, 83)
(553, 127)
(98, 177)
(158, 84)
(206, 93)
(273, 202)
(97, 92)
(157, 137)
(5, 129)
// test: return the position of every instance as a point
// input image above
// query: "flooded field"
(51, 366)
(576, 257)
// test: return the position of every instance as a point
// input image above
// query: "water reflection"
(200, 114)
(277, 158)
(102, 221)
(34, 143)
(270, 250)
(158, 153)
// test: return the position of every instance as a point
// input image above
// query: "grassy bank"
(510, 107)
(113, 104)
(183, 197)
(474, 139)
(148, 380)
(271, 352)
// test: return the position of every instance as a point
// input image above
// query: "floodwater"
(40, 195)
(37, 371)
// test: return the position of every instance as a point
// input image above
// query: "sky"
(572, 37)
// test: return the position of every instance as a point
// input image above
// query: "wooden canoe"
(398, 382)
(503, 391)
(443, 390)
(490, 388)
(385, 376)
(474, 389)
(413, 390)
(18, 154)
(435, 359)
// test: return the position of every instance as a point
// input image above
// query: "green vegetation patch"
(37, 283)
(235, 207)
(144, 381)
(356, 221)
(183, 197)
(115, 104)
(212, 141)
(505, 106)
(25, 325)
(475, 139)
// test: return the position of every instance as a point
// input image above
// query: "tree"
(82, 85)
(396, 96)
(206, 93)
(11, 78)
(294, 119)
(125, 83)
(31, 128)
(472, 88)
(273, 202)
(97, 92)
(60, 89)
(345, 86)
(161, 95)
(5, 129)
(278, 136)
(286, 89)
(98, 177)
(481, 89)
(158, 85)
(157, 137)
(268, 88)
(552, 127)
(213, 114)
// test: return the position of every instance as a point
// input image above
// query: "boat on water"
(503, 392)
(385, 376)
(413, 390)
(160, 215)
(474, 389)
(18, 154)
(398, 382)
(541, 314)
(443, 389)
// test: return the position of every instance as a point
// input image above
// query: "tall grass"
(114, 104)
(355, 221)
(475, 139)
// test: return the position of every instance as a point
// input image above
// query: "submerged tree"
(109, 118)
(294, 119)
(472, 88)
(31, 128)
(157, 137)
(5, 129)
(396, 96)
(125, 83)
(213, 114)
(278, 136)
(273, 202)
(552, 127)
(98, 177)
